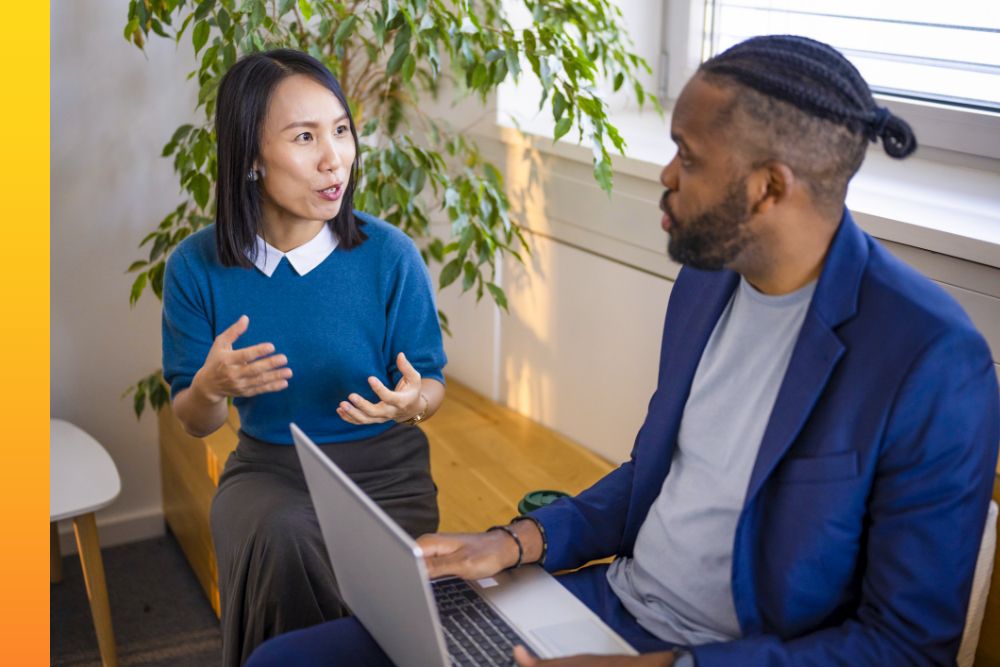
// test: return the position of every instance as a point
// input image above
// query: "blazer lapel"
(817, 350)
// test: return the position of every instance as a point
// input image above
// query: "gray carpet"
(159, 613)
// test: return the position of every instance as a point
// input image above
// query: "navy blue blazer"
(864, 513)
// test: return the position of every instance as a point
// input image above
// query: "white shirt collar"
(303, 259)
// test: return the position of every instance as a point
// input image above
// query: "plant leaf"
(345, 28)
(450, 272)
(200, 35)
(137, 287)
(306, 8)
(562, 127)
(498, 295)
(397, 58)
(199, 188)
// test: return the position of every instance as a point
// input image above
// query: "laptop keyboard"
(475, 634)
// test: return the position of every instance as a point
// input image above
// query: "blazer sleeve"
(927, 511)
(589, 525)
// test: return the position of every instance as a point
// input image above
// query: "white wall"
(112, 110)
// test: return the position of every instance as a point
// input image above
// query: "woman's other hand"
(398, 405)
(245, 372)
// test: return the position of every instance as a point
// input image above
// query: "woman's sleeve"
(411, 318)
(187, 328)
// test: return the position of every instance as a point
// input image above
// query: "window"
(935, 64)
(935, 52)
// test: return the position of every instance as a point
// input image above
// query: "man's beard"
(713, 238)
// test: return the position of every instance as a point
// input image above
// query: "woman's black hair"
(241, 108)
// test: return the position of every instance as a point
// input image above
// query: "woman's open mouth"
(332, 193)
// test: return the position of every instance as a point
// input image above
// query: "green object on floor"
(534, 500)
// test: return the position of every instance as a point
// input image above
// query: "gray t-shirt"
(678, 582)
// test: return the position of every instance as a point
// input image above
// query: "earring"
(252, 175)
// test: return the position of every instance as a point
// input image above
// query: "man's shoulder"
(892, 290)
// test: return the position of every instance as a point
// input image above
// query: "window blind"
(946, 52)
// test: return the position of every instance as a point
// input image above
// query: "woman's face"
(306, 154)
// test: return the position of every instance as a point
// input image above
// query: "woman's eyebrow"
(310, 123)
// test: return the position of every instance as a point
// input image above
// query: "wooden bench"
(484, 458)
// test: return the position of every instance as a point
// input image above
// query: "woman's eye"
(305, 136)
(342, 129)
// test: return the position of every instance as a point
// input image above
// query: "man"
(811, 482)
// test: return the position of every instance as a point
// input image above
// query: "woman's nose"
(330, 158)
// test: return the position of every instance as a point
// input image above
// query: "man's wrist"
(505, 545)
(531, 539)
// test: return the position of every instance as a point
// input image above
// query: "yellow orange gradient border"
(24, 335)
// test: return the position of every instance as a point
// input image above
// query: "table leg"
(55, 556)
(89, 547)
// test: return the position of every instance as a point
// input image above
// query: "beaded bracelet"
(517, 541)
(541, 531)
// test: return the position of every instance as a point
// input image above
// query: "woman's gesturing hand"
(398, 405)
(245, 372)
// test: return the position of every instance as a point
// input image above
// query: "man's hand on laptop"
(662, 659)
(478, 555)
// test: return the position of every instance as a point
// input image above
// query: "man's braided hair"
(807, 106)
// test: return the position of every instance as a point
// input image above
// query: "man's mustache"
(664, 205)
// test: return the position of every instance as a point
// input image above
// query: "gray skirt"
(274, 572)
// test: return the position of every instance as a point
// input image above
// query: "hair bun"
(896, 134)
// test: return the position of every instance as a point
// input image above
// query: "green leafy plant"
(388, 55)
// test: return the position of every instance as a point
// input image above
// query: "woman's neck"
(286, 233)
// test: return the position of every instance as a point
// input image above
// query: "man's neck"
(789, 255)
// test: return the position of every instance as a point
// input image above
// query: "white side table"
(83, 479)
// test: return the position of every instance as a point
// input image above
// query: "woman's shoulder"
(198, 249)
(383, 234)
(385, 238)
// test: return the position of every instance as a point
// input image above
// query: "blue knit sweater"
(346, 319)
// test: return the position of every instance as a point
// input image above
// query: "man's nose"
(668, 177)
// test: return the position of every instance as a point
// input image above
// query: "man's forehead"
(694, 117)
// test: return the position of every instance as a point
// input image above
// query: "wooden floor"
(485, 457)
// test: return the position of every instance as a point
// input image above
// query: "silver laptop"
(419, 623)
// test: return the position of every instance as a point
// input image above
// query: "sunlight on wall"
(523, 387)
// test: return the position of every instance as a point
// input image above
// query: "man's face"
(705, 207)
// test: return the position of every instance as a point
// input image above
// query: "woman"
(291, 280)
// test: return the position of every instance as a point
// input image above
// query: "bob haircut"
(241, 107)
